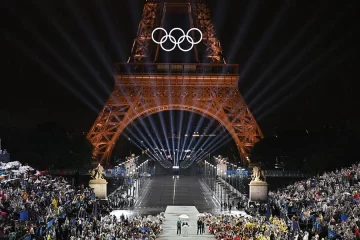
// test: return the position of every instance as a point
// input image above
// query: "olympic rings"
(179, 41)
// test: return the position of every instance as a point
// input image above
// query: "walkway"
(172, 214)
(163, 191)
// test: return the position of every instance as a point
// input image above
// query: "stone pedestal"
(258, 191)
(100, 188)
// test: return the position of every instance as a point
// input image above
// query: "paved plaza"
(165, 191)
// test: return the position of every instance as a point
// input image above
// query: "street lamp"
(214, 177)
(232, 175)
(221, 188)
(236, 174)
(205, 171)
(211, 176)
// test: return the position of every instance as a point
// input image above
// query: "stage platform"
(172, 214)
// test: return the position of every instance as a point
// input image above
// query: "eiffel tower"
(145, 86)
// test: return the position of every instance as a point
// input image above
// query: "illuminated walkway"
(165, 191)
(171, 217)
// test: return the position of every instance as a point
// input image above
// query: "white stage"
(172, 214)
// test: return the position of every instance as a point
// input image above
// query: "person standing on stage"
(178, 224)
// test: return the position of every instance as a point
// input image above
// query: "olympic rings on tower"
(179, 41)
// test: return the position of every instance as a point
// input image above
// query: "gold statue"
(258, 175)
(97, 173)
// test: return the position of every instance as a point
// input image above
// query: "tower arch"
(143, 87)
(137, 94)
(209, 114)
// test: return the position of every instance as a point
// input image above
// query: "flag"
(95, 209)
(50, 223)
(24, 215)
(331, 234)
(343, 217)
(268, 213)
(295, 226)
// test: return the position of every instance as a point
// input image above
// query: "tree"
(80, 152)
(312, 151)
(52, 147)
(266, 150)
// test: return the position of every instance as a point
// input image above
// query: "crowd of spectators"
(122, 198)
(325, 206)
(240, 227)
(38, 206)
(322, 207)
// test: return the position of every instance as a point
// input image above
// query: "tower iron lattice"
(143, 86)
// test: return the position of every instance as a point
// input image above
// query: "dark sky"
(298, 59)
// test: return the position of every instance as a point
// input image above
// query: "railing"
(177, 68)
(279, 173)
(269, 173)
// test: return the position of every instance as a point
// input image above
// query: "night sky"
(298, 59)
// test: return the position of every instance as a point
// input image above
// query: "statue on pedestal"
(98, 182)
(258, 187)
(97, 173)
(258, 175)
